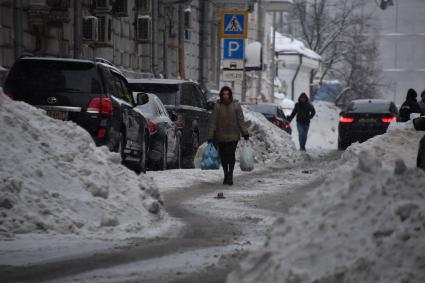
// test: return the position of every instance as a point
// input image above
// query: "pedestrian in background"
(304, 111)
(421, 103)
(409, 106)
(227, 124)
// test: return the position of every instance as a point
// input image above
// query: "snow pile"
(400, 142)
(53, 179)
(365, 223)
(323, 133)
(267, 140)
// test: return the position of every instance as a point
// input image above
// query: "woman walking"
(226, 127)
(305, 112)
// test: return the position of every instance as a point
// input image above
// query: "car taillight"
(101, 133)
(277, 122)
(102, 106)
(9, 94)
(343, 119)
(151, 127)
(388, 119)
(180, 121)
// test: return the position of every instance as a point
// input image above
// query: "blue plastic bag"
(210, 158)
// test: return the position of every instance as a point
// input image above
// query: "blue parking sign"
(233, 48)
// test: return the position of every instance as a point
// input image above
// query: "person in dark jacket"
(409, 106)
(422, 102)
(225, 129)
(305, 112)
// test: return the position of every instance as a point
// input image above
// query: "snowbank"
(365, 223)
(323, 133)
(400, 142)
(268, 141)
(53, 179)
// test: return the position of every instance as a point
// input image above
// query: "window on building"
(120, 8)
(143, 5)
(102, 4)
(104, 28)
(143, 28)
(187, 18)
(90, 28)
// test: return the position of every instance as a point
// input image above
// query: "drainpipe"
(19, 31)
(295, 77)
(78, 15)
(202, 44)
(155, 20)
(181, 42)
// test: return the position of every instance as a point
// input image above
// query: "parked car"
(185, 101)
(164, 146)
(273, 112)
(93, 94)
(363, 119)
(419, 124)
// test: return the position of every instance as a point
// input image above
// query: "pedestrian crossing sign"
(234, 24)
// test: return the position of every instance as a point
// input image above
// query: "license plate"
(60, 115)
(367, 120)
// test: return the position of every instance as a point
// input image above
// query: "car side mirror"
(142, 98)
(209, 105)
(419, 123)
(173, 116)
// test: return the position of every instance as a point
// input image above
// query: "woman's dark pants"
(227, 152)
(302, 133)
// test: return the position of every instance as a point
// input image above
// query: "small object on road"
(306, 171)
(219, 196)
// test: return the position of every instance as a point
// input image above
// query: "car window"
(167, 93)
(161, 107)
(48, 75)
(124, 91)
(368, 107)
(264, 109)
(201, 95)
(148, 108)
(393, 108)
(188, 96)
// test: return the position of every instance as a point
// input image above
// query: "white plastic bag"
(198, 156)
(246, 157)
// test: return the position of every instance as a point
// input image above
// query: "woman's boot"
(230, 175)
(226, 173)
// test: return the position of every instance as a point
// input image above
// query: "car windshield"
(264, 109)
(147, 108)
(167, 93)
(55, 76)
(373, 107)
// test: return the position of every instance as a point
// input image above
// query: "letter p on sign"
(233, 48)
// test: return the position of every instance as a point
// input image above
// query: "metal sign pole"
(243, 91)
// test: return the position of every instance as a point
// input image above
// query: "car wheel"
(178, 163)
(120, 146)
(163, 162)
(195, 145)
(141, 164)
(342, 145)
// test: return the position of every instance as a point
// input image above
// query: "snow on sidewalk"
(54, 180)
(366, 223)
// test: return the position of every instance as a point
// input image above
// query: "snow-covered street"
(71, 213)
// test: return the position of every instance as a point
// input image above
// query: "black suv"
(187, 106)
(93, 94)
